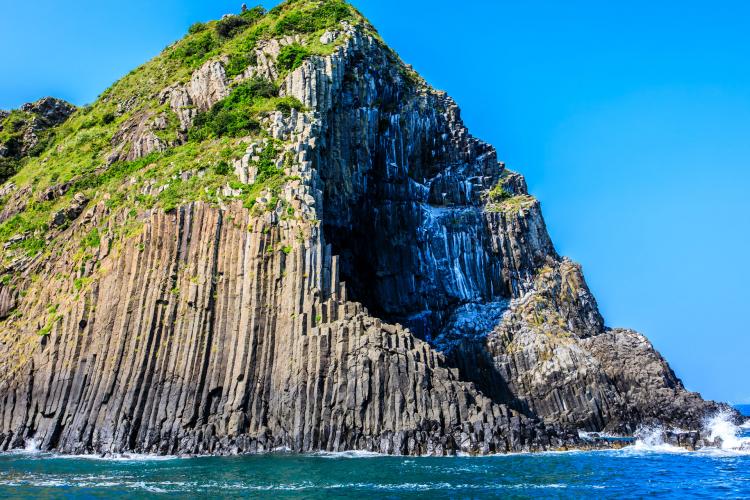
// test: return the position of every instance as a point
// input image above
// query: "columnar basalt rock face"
(403, 310)
(199, 336)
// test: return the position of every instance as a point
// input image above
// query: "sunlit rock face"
(398, 293)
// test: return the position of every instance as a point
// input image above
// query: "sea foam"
(721, 426)
(718, 428)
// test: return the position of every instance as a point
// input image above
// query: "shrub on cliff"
(291, 57)
(287, 104)
(92, 239)
(498, 194)
(222, 121)
(239, 63)
(193, 50)
(197, 28)
(259, 87)
(222, 168)
(108, 118)
(233, 116)
(254, 15)
(230, 26)
(8, 168)
(327, 15)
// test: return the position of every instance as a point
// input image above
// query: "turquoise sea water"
(645, 469)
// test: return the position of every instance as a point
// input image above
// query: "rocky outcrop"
(42, 115)
(137, 138)
(207, 86)
(382, 299)
(651, 391)
(34, 118)
(26, 131)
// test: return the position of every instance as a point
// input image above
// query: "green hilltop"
(76, 158)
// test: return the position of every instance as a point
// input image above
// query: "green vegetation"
(108, 118)
(80, 283)
(8, 167)
(53, 318)
(197, 28)
(291, 57)
(193, 168)
(92, 239)
(12, 129)
(287, 104)
(230, 26)
(238, 114)
(222, 168)
(267, 163)
(254, 15)
(239, 62)
(235, 115)
(311, 18)
(194, 50)
(498, 193)
(511, 205)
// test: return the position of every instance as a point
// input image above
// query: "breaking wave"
(721, 426)
(347, 454)
(727, 438)
(32, 449)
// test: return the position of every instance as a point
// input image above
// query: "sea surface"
(647, 468)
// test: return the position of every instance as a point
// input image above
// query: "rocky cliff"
(27, 131)
(277, 235)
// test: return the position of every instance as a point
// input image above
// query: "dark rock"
(71, 213)
(54, 192)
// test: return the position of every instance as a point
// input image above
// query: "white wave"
(120, 457)
(141, 485)
(349, 454)
(123, 457)
(719, 429)
(721, 426)
(42, 482)
(306, 485)
(586, 435)
(31, 446)
(651, 439)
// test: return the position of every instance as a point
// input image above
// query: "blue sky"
(631, 123)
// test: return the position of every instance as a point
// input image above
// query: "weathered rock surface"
(400, 312)
(27, 131)
(39, 116)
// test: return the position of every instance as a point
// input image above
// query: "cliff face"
(394, 289)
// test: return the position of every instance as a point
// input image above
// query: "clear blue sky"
(631, 123)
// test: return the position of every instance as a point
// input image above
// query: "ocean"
(647, 468)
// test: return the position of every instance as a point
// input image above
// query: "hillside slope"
(276, 234)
